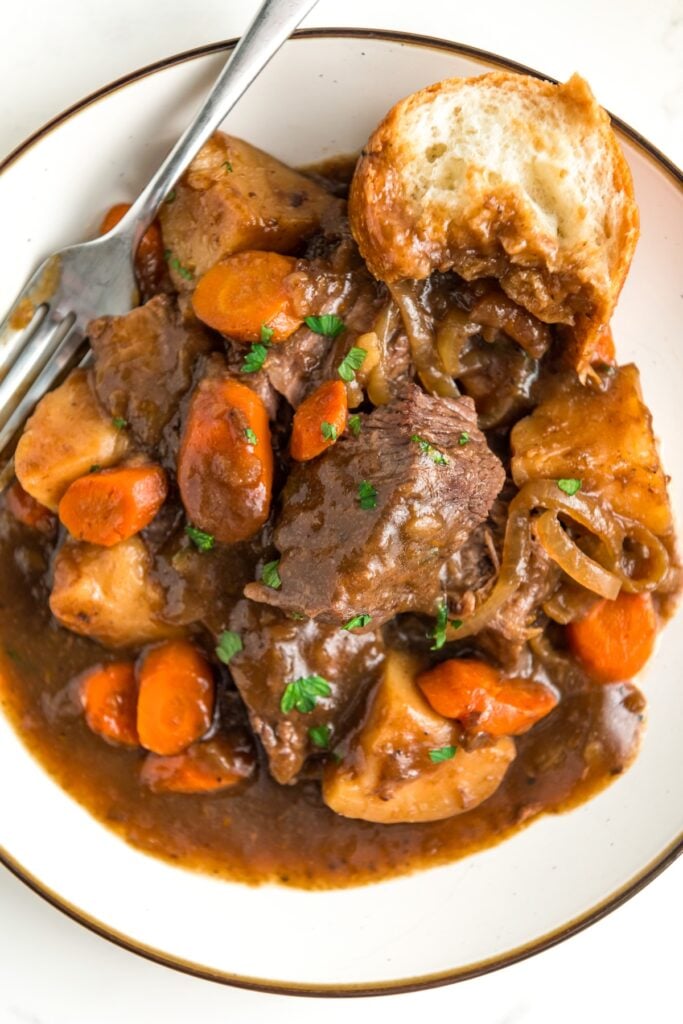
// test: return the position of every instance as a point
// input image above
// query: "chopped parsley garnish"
(176, 265)
(430, 451)
(267, 334)
(95, 468)
(170, 197)
(442, 754)
(303, 693)
(229, 644)
(228, 166)
(438, 634)
(352, 361)
(327, 324)
(320, 736)
(255, 358)
(464, 437)
(367, 495)
(357, 621)
(270, 574)
(354, 424)
(328, 431)
(250, 436)
(119, 422)
(201, 540)
(569, 486)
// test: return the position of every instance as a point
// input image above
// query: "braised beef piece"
(277, 651)
(143, 364)
(367, 527)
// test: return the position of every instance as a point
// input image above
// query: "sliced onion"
(557, 543)
(427, 360)
(452, 334)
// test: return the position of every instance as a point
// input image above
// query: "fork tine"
(23, 318)
(30, 361)
(68, 354)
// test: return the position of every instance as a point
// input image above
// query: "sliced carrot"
(109, 695)
(225, 465)
(176, 699)
(27, 510)
(319, 420)
(246, 292)
(113, 504)
(616, 638)
(207, 767)
(483, 700)
(150, 264)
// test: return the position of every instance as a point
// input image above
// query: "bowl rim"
(413, 984)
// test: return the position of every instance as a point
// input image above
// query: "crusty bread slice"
(505, 176)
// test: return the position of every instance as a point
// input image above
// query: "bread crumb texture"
(504, 176)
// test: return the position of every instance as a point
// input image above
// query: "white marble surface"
(625, 968)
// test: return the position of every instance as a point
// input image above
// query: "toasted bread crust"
(490, 226)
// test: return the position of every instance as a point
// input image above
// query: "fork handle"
(271, 26)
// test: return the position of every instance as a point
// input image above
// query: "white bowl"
(321, 96)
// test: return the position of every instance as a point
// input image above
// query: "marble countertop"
(624, 968)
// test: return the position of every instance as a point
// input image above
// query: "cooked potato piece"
(603, 438)
(65, 437)
(388, 776)
(108, 594)
(235, 197)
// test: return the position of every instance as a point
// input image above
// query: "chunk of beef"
(429, 480)
(143, 364)
(277, 651)
(235, 197)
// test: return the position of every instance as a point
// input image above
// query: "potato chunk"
(388, 775)
(603, 438)
(108, 594)
(235, 197)
(65, 437)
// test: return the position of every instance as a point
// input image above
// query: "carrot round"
(246, 292)
(109, 696)
(225, 464)
(27, 510)
(176, 698)
(319, 420)
(207, 767)
(150, 264)
(483, 700)
(112, 505)
(616, 638)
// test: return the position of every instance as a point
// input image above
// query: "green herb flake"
(357, 622)
(119, 422)
(569, 486)
(328, 431)
(328, 324)
(302, 694)
(352, 361)
(228, 166)
(430, 451)
(320, 736)
(355, 424)
(267, 334)
(438, 634)
(255, 358)
(95, 468)
(464, 438)
(250, 436)
(176, 265)
(270, 574)
(229, 644)
(201, 540)
(367, 495)
(442, 754)
(170, 197)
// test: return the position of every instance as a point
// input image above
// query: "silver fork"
(44, 332)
